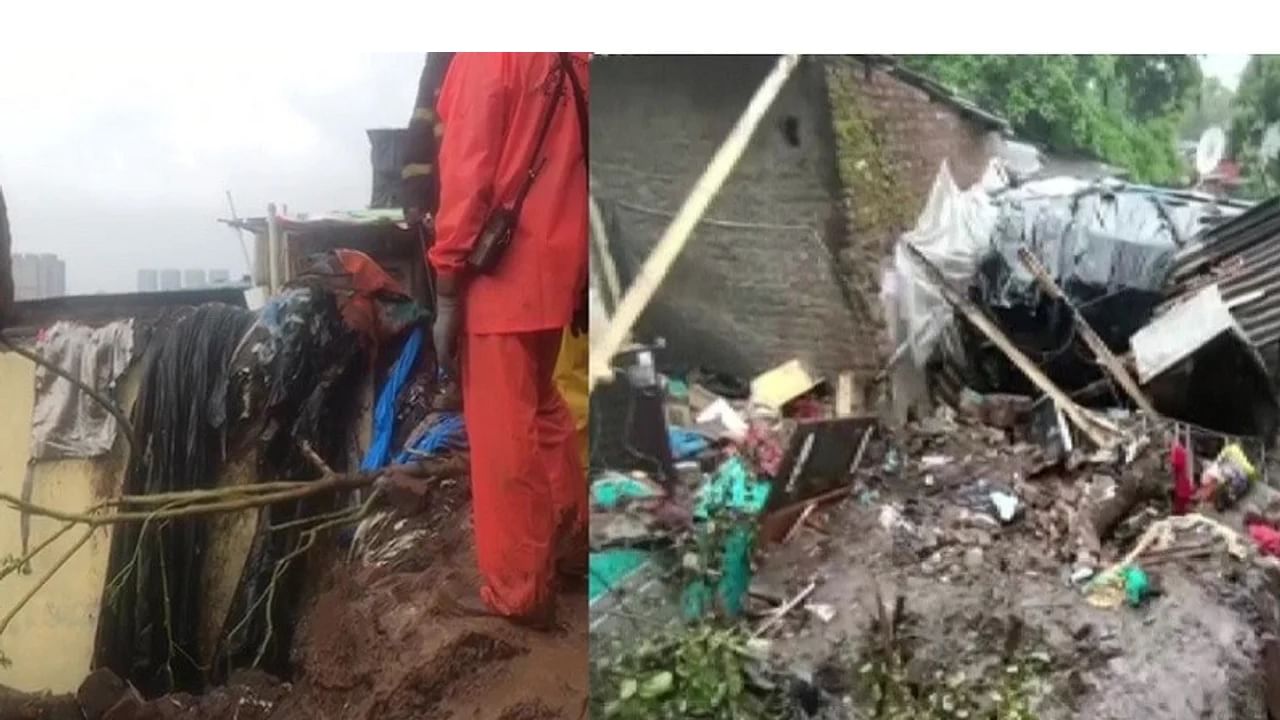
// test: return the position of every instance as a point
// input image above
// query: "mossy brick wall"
(891, 139)
(788, 264)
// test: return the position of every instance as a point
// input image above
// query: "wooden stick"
(795, 526)
(677, 234)
(783, 611)
(600, 244)
(8, 618)
(988, 328)
(1106, 358)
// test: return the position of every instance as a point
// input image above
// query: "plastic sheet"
(1109, 246)
(953, 232)
(384, 413)
(1094, 243)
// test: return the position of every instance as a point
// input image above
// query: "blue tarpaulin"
(384, 413)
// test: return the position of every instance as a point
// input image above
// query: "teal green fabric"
(611, 489)
(1137, 586)
(610, 568)
(733, 487)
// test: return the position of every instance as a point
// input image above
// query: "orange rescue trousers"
(529, 489)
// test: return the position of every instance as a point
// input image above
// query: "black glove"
(444, 333)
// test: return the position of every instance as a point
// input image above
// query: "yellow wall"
(50, 642)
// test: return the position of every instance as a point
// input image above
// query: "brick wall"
(756, 284)
(891, 139)
(787, 264)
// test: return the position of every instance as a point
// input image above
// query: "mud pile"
(984, 594)
(371, 644)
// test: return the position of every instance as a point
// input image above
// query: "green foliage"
(1213, 106)
(691, 672)
(891, 690)
(1123, 109)
(1257, 106)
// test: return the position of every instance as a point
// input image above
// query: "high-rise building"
(148, 280)
(170, 279)
(194, 279)
(38, 276)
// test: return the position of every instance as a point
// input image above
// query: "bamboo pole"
(984, 324)
(677, 234)
(600, 244)
(1107, 359)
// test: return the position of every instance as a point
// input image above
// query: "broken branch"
(1106, 358)
(44, 579)
(988, 328)
(785, 610)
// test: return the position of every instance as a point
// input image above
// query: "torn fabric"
(66, 422)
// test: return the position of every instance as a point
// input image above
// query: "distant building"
(194, 279)
(219, 278)
(148, 280)
(170, 279)
(36, 277)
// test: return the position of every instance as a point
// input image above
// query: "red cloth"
(528, 488)
(1266, 538)
(1183, 487)
(491, 106)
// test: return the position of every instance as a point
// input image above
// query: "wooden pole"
(273, 249)
(600, 244)
(988, 328)
(677, 234)
(1106, 358)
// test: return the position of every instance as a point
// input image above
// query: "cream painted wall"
(50, 642)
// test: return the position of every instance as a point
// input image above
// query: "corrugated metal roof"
(1242, 256)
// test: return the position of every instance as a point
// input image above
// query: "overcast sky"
(121, 161)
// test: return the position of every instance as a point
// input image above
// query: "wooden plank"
(1074, 412)
(844, 394)
(1106, 358)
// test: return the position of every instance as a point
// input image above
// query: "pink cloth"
(1183, 487)
(1266, 538)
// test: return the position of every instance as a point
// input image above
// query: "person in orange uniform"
(504, 326)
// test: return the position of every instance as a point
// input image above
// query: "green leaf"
(627, 689)
(658, 685)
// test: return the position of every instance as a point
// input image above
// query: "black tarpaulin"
(1111, 251)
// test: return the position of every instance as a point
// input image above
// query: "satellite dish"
(1213, 143)
(1271, 143)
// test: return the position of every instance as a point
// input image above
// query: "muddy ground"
(1195, 651)
(371, 644)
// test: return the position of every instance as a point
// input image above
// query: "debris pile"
(1053, 538)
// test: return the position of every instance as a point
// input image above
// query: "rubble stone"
(973, 558)
(99, 692)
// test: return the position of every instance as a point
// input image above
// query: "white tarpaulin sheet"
(66, 422)
(953, 231)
